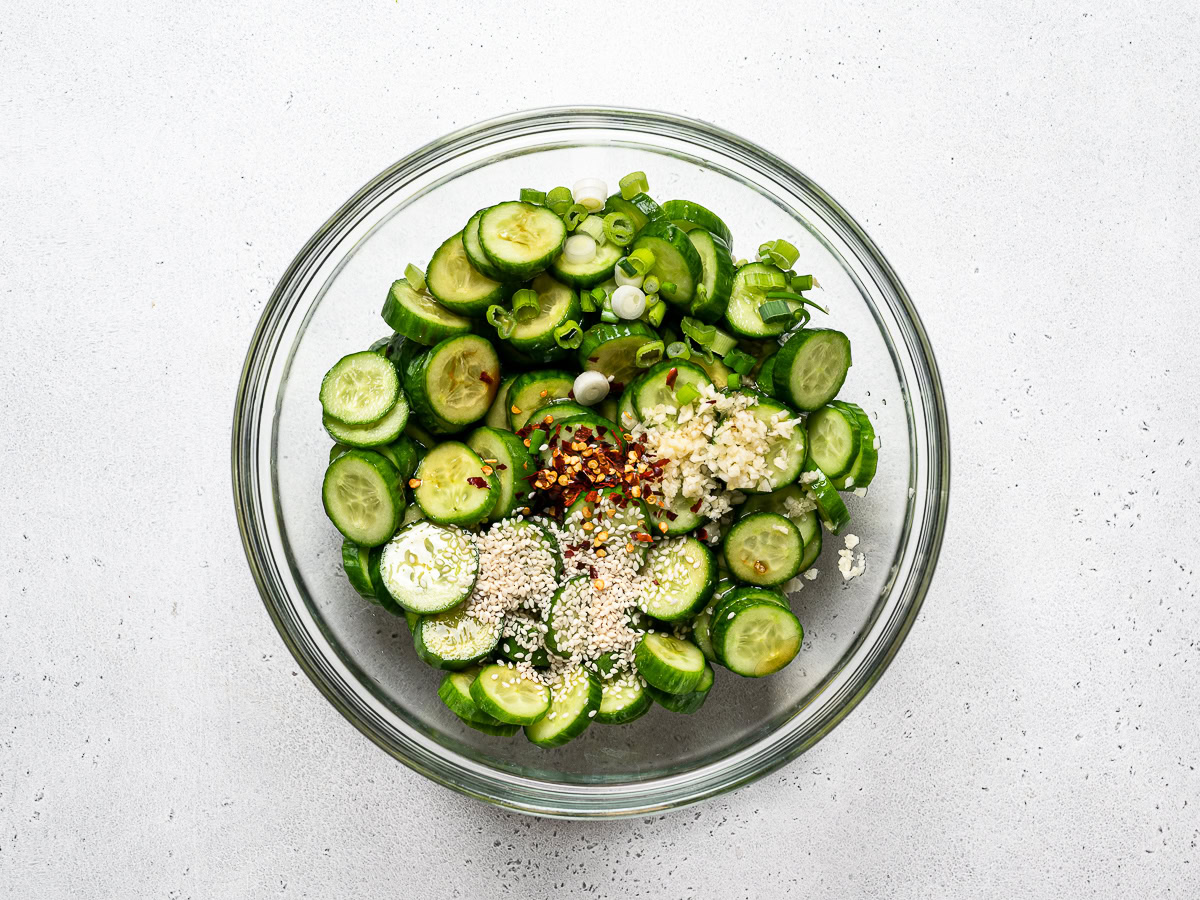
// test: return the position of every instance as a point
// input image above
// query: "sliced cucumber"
(574, 703)
(584, 427)
(741, 314)
(676, 517)
(420, 436)
(521, 239)
(626, 414)
(500, 729)
(640, 208)
(456, 283)
(404, 454)
(810, 531)
(564, 606)
(533, 390)
(611, 349)
(474, 249)
(830, 506)
(689, 216)
(622, 699)
(685, 703)
(833, 440)
(453, 383)
(866, 460)
(661, 383)
(791, 500)
(591, 273)
(682, 573)
(765, 381)
(523, 641)
(337, 450)
(716, 370)
(668, 663)
(505, 694)
(764, 549)
(497, 414)
(712, 294)
(614, 511)
(455, 692)
(382, 595)
(557, 303)
(454, 487)
(429, 568)
(356, 565)
(360, 389)
(419, 317)
(454, 640)
(384, 431)
(811, 367)
(608, 408)
(363, 497)
(754, 634)
(676, 260)
(511, 463)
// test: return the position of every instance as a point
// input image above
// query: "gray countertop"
(1031, 170)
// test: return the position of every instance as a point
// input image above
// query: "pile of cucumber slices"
(567, 314)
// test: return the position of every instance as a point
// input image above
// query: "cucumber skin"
(577, 726)
(474, 249)
(391, 479)
(748, 522)
(626, 714)
(648, 665)
(765, 381)
(781, 376)
(688, 703)
(404, 454)
(700, 216)
(720, 609)
(515, 422)
(863, 469)
(664, 231)
(721, 629)
(855, 430)
(469, 308)
(640, 208)
(830, 506)
(357, 569)
(521, 271)
(382, 595)
(417, 390)
(522, 468)
(712, 310)
(416, 329)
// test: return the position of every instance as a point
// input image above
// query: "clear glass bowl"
(327, 304)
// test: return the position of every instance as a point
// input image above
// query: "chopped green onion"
(593, 228)
(415, 278)
(648, 354)
(500, 319)
(732, 380)
(737, 264)
(574, 215)
(618, 228)
(656, 313)
(722, 343)
(559, 200)
(686, 394)
(642, 261)
(707, 355)
(599, 294)
(699, 332)
(780, 252)
(678, 350)
(533, 195)
(800, 283)
(651, 284)
(626, 266)
(587, 302)
(668, 287)
(607, 315)
(775, 310)
(568, 335)
(652, 299)
(795, 298)
(525, 304)
(633, 184)
(766, 279)
(740, 362)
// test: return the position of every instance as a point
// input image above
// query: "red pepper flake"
(671, 376)
(568, 553)
(592, 571)
(670, 515)
(476, 481)
(695, 507)
(616, 387)
(486, 378)
(501, 466)
(702, 534)
(593, 359)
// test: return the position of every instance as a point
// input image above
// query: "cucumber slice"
(791, 500)
(833, 440)
(810, 531)
(474, 249)
(454, 488)
(741, 314)
(830, 506)
(676, 260)
(337, 450)
(764, 381)
(384, 431)
(360, 389)
(716, 284)
(549, 537)
(505, 694)
(659, 387)
(564, 606)
(565, 409)
(557, 303)
(755, 635)
(685, 703)
(787, 454)
(668, 663)
(454, 640)
(382, 595)
(519, 238)
(584, 427)
(683, 573)
(640, 208)
(404, 454)
(764, 549)
(716, 370)
(455, 692)
(510, 462)
(612, 349)
(420, 436)
(688, 216)
(453, 383)
(523, 641)
(500, 729)
(608, 408)
(456, 283)
(533, 390)
(676, 517)
(622, 699)
(862, 470)
(363, 497)
(811, 367)
(419, 317)
(591, 273)
(574, 703)
(497, 414)
(628, 514)
(356, 565)
(626, 414)
(429, 568)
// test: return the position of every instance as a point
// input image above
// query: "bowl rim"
(641, 797)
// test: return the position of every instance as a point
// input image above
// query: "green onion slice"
(633, 184)
(740, 362)
(779, 252)
(678, 350)
(698, 331)
(500, 319)
(525, 305)
(533, 195)
(649, 353)
(686, 394)
(775, 311)
(722, 343)
(568, 335)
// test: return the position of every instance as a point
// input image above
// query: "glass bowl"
(327, 304)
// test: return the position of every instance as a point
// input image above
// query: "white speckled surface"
(1031, 171)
